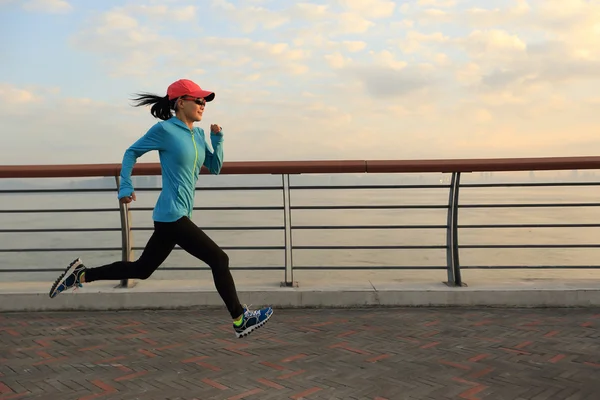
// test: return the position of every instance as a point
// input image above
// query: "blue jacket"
(182, 153)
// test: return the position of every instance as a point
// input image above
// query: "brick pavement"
(418, 353)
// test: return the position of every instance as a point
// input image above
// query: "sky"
(307, 80)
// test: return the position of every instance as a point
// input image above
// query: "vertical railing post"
(287, 223)
(456, 262)
(452, 259)
(449, 235)
(126, 239)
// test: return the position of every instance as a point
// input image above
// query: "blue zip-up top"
(182, 153)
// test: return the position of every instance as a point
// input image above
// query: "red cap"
(185, 87)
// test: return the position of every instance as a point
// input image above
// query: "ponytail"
(161, 106)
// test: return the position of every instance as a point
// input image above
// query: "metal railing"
(287, 208)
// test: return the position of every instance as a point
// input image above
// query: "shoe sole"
(254, 327)
(63, 277)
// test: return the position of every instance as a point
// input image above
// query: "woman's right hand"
(127, 199)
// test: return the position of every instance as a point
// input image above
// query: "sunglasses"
(198, 100)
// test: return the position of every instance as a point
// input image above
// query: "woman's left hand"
(214, 128)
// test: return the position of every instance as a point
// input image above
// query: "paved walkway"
(303, 354)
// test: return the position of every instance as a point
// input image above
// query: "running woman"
(183, 152)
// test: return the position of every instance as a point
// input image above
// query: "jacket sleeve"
(152, 140)
(214, 160)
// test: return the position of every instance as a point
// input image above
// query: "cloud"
(250, 18)
(48, 6)
(482, 115)
(517, 45)
(431, 16)
(416, 41)
(493, 48)
(11, 95)
(354, 45)
(557, 73)
(389, 82)
(480, 43)
(124, 45)
(337, 60)
(468, 73)
(278, 58)
(349, 23)
(339, 17)
(163, 12)
(437, 3)
(52, 116)
(310, 11)
(131, 46)
(383, 75)
(370, 9)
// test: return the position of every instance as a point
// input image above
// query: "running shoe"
(71, 278)
(251, 320)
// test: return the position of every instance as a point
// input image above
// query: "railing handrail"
(455, 167)
(317, 167)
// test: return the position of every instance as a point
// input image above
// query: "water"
(354, 257)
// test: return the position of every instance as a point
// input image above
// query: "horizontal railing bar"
(530, 226)
(57, 210)
(527, 184)
(217, 188)
(56, 230)
(234, 248)
(319, 227)
(316, 167)
(369, 207)
(374, 247)
(482, 165)
(218, 208)
(349, 187)
(522, 205)
(377, 267)
(357, 268)
(307, 187)
(59, 249)
(530, 267)
(322, 247)
(528, 246)
(57, 190)
(223, 228)
(240, 208)
(148, 189)
(82, 249)
(257, 268)
(209, 228)
(92, 210)
(474, 246)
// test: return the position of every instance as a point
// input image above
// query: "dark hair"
(161, 106)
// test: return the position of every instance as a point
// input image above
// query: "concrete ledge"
(177, 295)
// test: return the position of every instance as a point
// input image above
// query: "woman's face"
(192, 107)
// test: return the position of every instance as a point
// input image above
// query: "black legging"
(191, 239)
